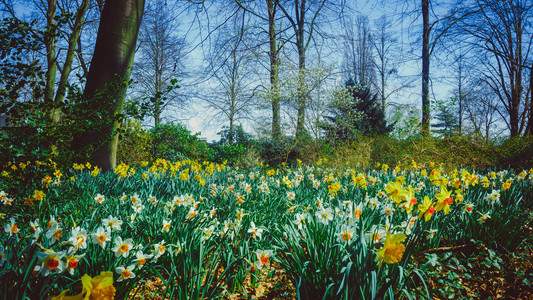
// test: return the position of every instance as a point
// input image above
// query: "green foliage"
(516, 153)
(357, 113)
(149, 105)
(18, 76)
(446, 117)
(406, 122)
(175, 142)
(238, 136)
(135, 143)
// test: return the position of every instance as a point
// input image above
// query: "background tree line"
(296, 72)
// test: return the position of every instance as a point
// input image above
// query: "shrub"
(135, 143)
(175, 142)
(516, 153)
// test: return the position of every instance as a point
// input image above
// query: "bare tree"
(275, 45)
(159, 59)
(302, 16)
(435, 28)
(480, 105)
(386, 60)
(358, 51)
(502, 31)
(232, 73)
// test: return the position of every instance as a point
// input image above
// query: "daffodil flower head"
(125, 273)
(122, 248)
(100, 287)
(51, 262)
(393, 249)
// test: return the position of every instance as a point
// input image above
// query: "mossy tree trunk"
(107, 81)
(425, 68)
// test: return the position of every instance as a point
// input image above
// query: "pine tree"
(357, 114)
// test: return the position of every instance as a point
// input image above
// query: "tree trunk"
(460, 129)
(107, 78)
(425, 68)
(67, 67)
(50, 41)
(530, 120)
(274, 74)
(301, 91)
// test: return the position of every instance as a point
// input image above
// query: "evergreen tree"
(357, 112)
(446, 117)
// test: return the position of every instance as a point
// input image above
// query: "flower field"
(205, 230)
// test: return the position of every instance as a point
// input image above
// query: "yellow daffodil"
(394, 189)
(97, 288)
(408, 199)
(393, 249)
(426, 209)
(444, 200)
(434, 177)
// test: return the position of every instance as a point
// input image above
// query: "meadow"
(201, 230)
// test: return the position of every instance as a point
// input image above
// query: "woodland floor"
(464, 272)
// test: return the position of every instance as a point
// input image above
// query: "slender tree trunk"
(425, 68)
(382, 58)
(516, 84)
(460, 129)
(529, 130)
(301, 95)
(274, 71)
(108, 76)
(67, 67)
(50, 41)
(231, 128)
(301, 91)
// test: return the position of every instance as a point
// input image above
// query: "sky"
(198, 122)
(198, 118)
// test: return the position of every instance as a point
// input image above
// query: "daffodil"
(54, 233)
(101, 236)
(434, 177)
(346, 233)
(426, 209)
(122, 248)
(493, 197)
(192, 213)
(468, 208)
(431, 234)
(112, 223)
(97, 288)
(72, 262)
(99, 198)
(300, 220)
(255, 231)
(159, 249)
(394, 189)
(263, 256)
(11, 228)
(78, 238)
(357, 211)
(444, 200)
(166, 226)
(325, 215)
(125, 273)
(393, 249)
(51, 262)
(141, 258)
(208, 232)
(407, 199)
(483, 218)
(2, 255)
(291, 195)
